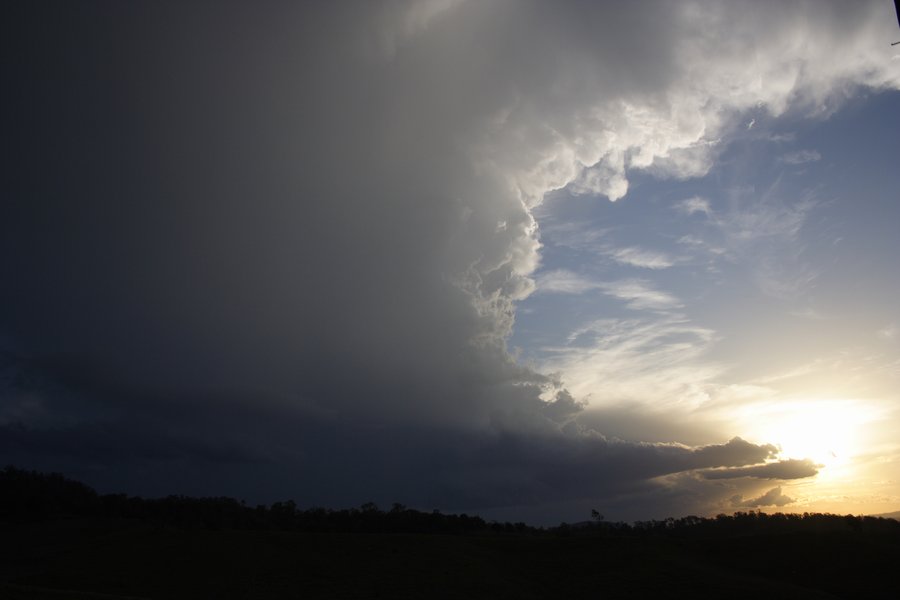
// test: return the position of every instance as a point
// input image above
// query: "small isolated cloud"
(694, 205)
(640, 257)
(800, 157)
(783, 469)
(773, 497)
(751, 124)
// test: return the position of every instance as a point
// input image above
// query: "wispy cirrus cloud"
(800, 157)
(764, 232)
(575, 236)
(638, 294)
(564, 281)
(642, 258)
(658, 360)
(698, 243)
(600, 241)
(692, 205)
(761, 230)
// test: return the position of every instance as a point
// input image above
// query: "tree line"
(30, 495)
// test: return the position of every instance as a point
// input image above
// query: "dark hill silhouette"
(59, 534)
(891, 515)
(33, 496)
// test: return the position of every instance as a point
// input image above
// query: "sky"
(517, 259)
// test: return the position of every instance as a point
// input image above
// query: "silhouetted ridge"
(33, 494)
(36, 496)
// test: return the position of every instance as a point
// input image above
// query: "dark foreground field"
(60, 539)
(91, 558)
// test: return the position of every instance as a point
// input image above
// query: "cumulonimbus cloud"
(322, 214)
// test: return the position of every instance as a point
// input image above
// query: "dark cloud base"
(256, 449)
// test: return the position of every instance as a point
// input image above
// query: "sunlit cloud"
(774, 497)
(783, 469)
(656, 361)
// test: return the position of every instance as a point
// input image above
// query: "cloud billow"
(774, 497)
(782, 469)
(292, 231)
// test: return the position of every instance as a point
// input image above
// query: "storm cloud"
(782, 469)
(276, 249)
(774, 497)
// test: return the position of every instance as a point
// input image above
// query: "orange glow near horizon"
(838, 434)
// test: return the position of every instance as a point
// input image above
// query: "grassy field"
(108, 558)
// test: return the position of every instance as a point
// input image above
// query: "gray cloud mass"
(783, 469)
(275, 250)
(774, 497)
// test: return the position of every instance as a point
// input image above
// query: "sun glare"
(824, 431)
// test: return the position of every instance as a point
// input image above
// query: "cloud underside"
(527, 457)
(783, 469)
(774, 497)
(302, 246)
(337, 462)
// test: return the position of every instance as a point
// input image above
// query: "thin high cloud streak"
(801, 157)
(663, 356)
(760, 229)
(636, 293)
(643, 258)
(261, 234)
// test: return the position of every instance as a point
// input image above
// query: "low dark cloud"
(109, 434)
(773, 497)
(782, 469)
